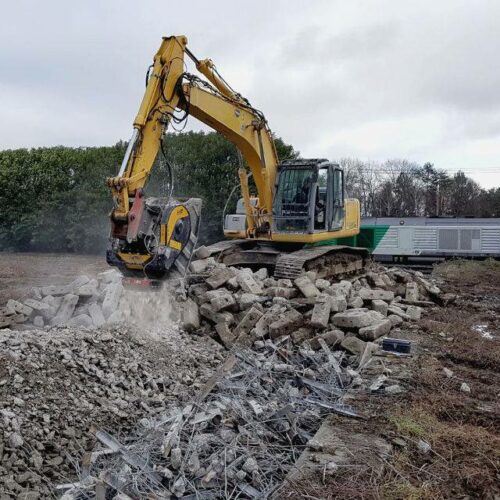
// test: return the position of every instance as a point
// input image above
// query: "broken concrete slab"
(202, 252)
(54, 303)
(65, 310)
(109, 276)
(36, 305)
(219, 277)
(393, 309)
(306, 286)
(412, 292)
(221, 299)
(280, 291)
(369, 294)
(380, 306)
(247, 300)
(54, 290)
(207, 311)
(38, 321)
(249, 284)
(112, 295)
(356, 318)
(19, 308)
(338, 304)
(395, 319)
(355, 302)
(414, 312)
(331, 338)
(321, 312)
(82, 321)
(261, 274)
(287, 322)
(95, 312)
(342, 289)
(376, 330)
(199, 266)
(301, 334)
(227, 337)
(354, 345)
(248, 322)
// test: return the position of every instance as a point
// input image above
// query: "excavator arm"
(138, 236)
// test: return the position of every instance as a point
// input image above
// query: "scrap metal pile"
(239, 440)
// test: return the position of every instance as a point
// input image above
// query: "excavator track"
(327, 260)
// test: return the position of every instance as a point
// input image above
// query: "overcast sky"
(368, 79)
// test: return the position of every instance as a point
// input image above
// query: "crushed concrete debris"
(104, 357)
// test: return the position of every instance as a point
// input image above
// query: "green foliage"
(56, 199)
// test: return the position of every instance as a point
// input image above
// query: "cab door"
(335, 199)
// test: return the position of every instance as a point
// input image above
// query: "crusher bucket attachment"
(162, 240)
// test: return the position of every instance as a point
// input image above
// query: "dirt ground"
(453, 345)
(20, 271)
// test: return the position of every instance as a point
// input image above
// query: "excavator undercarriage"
(327, 260)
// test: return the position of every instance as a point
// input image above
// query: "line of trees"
(399, 188)
(56, 199)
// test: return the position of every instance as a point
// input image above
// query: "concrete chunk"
(356, 318)
(202, 252)
(287, 323)
(37, 305)
(247, 300)
(248, 284)
(331, 338)
(111, 300)
(380, 306)
(338, 304)
(321, 312)
(82, 320)
(219, 277)
(65, 310)
(199, 266)
(207, 311)
(95, 313)
(280, 291)
(414, 312)
(367, 294)
(55, 290)
(376, 330)
(306, 286)
(353, 345)
(392, 309)
(54, 303)
(248, 322)
(355, 302)
(221, 299)
(87, 290)
(411, 292)
(394, 319)
(261, 274)
(225, 334)
(38, 321)
(109, 276)
(77, 283)
(18, 307)
(342, 289)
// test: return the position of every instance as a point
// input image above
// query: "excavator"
(294, 221)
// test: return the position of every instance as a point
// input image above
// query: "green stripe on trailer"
(369, 237)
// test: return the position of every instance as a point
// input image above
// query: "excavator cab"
(309, 197)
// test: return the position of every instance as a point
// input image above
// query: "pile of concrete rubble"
(239, 306)
(76, 370)
(57, 386)
(297, 351)
(84, 302)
